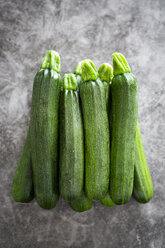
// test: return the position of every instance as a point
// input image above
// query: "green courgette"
(22, 186)
(124, 111)
(44, 130)
(143, 188)
(71, 141)
(96, 126)
(81, 204)
(106, 74)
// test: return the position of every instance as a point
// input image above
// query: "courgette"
(71, 141)
(22, 186)
(81, 204)
(143, 188)
(44, 130)
(124, 111)
(106, 74)
(96, 126)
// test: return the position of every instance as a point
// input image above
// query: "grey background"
(80, 29)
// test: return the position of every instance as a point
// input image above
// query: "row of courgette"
(83, 141)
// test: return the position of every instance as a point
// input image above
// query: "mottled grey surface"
(80, 29)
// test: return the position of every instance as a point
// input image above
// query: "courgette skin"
(22, 186)
(124, 109)
(143, 188)
(96, 127)
(107, 201)
(81, 204)
(44, 132)
(71, 141)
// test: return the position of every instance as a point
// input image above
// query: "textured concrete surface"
(80, 29)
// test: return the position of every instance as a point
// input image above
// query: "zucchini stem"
(89, 71)
(106, 72)
(120, 64)
(70, 81)
(51, 61)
